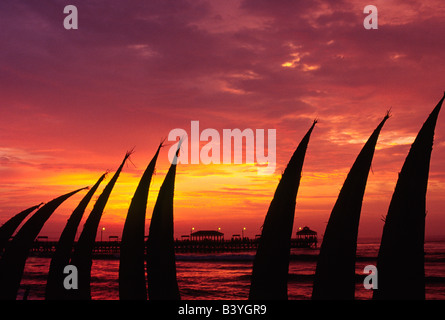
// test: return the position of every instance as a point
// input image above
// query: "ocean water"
(227, 275)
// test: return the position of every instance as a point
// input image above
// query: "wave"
(309, 278)
(237, 257)
(215, 257)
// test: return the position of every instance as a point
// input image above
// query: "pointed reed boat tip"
(407, 212)
(14, 259)
(83, 251)
(439, 105)
(309, 132)
(131, 267)
(179, 146)
(160, 251)
(129, 153)
(161, 145)
(271, 262)
(61, 256)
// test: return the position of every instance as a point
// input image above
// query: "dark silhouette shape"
(26, 294)
(335, 272)
(271, 263)
(61, 257)
(13, 261)
(82, 256)
(400, 261)
(8, 228)
(161, 265)
(132, 283)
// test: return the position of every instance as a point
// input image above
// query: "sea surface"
(227, 275)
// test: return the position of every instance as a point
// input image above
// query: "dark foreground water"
(227, 275)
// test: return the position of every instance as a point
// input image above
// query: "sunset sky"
(74, 101)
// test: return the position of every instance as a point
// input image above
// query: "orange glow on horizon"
(213, 196)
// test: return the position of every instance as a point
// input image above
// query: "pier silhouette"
(199, 242)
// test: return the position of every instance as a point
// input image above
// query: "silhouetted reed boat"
(161, 264)
(132, 283)
(271, 263)
(335, 271)
(62, 254)
(82, 256)
(400, 261)
(8, 228)
(13, 260)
